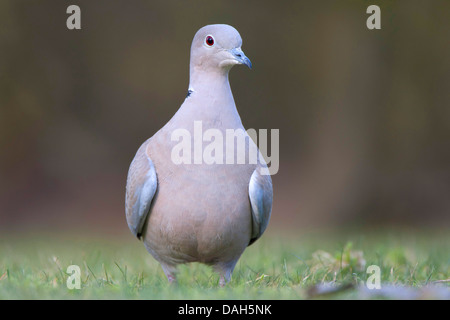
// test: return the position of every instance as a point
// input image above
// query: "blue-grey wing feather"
(142, 183)
(261, 196)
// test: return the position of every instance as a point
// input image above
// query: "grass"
(275, 267)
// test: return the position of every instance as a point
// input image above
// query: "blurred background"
(364, 116)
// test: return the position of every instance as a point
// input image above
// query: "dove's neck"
(211, 97)
(210, 83)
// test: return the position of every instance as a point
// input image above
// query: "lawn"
(278, 266)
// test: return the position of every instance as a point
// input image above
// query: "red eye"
(209, 41)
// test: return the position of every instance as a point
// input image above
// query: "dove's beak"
(240, 57)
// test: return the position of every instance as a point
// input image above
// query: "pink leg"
(170, 272)
(222, 281)
(225, 271)
(171, 278)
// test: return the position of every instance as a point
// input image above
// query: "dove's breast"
(201, 212)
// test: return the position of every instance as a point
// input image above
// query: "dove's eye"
(209, 41)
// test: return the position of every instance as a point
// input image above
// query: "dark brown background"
(364, 116)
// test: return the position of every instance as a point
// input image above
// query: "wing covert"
(261, 196)
(141, 187)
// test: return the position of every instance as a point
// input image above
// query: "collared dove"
(199, 212)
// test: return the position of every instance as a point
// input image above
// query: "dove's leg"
(170, 272)
(224, 280)
(225, 270)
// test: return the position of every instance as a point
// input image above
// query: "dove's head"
(217, 47)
